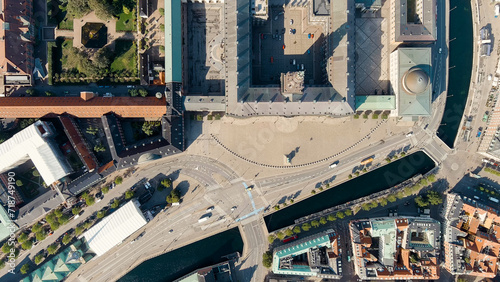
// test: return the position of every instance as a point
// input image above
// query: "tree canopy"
(267, 259)
(174, 196)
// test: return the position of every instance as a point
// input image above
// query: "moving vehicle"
(290, 239)
(233, 208)
(291, 22)
(283, 46)
(210, 209)
(302, 67)
(138, 237)
(309, 35)
(440, 50)
(334, 164)
(204, 217)
(367, 161)
(497, 10)
(409, 134)
(294, 62)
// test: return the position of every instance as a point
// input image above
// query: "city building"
(472, 236)
(17, 37)
(317, 255)
(114, 228)
(223, 272)
(368, 5)
(413, 21)
(61, 265)
(86, 106)
(35, 142)
(6, 225)
(396, 248)
(411, 82)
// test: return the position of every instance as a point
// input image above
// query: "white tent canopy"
(34, 143)
(114, 228)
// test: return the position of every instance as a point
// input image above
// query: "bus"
(286, 240)
(367, 161)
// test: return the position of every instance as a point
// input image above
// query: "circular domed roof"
(415, 81)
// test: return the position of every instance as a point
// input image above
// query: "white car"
(291, 22)
(210, 209)
(409, 134)
(333, 165)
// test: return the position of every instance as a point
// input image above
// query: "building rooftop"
(126, 107)
(415, 20)
(173, 41)
(375, 102)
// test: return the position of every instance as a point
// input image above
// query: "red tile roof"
(127, 107)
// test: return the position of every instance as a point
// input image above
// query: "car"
(66, 92)
(309, 51)
(262, 36)
(409, 134)
(283, 46)
(99, 195)
(210, 209)
(279, 37)
(101, 86)
(309, 35)
(334, 165)
(107, 95)
(170, 231)
(294, 31)
(440, 50)
(233, 208)
(290, 31)
(302, 67)
(291, 21)
(107, 86)
(130, 86)
(294, 62)
(312, 35)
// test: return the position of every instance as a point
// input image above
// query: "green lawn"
(64, 44)
(125, 57)
(66, 23)
(126, 22)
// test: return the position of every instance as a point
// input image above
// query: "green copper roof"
(414, 104)
(375, 102)
(173, 41)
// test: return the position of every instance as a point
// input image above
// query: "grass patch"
(57, 15)
(66, 23)
(125, 57)
(64, 44)
(126, 22)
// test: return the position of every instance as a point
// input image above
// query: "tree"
(54, 226)
(38, 259)
(267, 259)
(315, 223)
(25, 268)
(40, 236)
(133, 92)
(87, 225)
(35, 173)
(313, 192)
(92, 130)
(90, 200)
(348, 212)
(101, 214)
(66, 239)
(166, 183)
(383, 202)
(58, 213)
(271, 238)
(76, 210)
(174, 197)
(118, 180)
(27, 245)
(391, 198)
(366, 206)
(323, 220)
(162, 48)
(115, 204)
(143, 92)
(63, 219)
(102, 58)
(289, 232)
(306, 226)
(162, 27)
(340, 215)
(78, 8)
(388, 160)
(30, 91)
(331, 217)
(162, 11)
(37, 227)
(431, 178)
(99, 148)
(52, 249)
(19, 183)
(421, 202)
(103, 10)
(356, 173)
(6, 248)
(49, 93)
(434, 198)
(25, 122)
(105, 189)
(349, 176)
(129, 194)
(22, 238)
(280, 235)
(296, 229)
(78, 230)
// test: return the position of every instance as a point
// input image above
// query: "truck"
(367, 161)
(204, 217)
(497, 10)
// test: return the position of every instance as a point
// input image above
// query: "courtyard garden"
(73, 65)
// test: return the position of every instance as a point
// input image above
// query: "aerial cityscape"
(249, 140)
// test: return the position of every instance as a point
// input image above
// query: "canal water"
(460, 64)
(364, 185)
(177, 263)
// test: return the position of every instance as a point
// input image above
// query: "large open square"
(288, 41)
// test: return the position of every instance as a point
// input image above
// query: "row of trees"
(103, 9)
(308, 225)
(138, 91)
(407, 191)
(395, 157)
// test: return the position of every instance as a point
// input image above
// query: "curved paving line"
(300, 165)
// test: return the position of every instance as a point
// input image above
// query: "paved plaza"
(275, 47)
(204, 41)
(372, 56)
